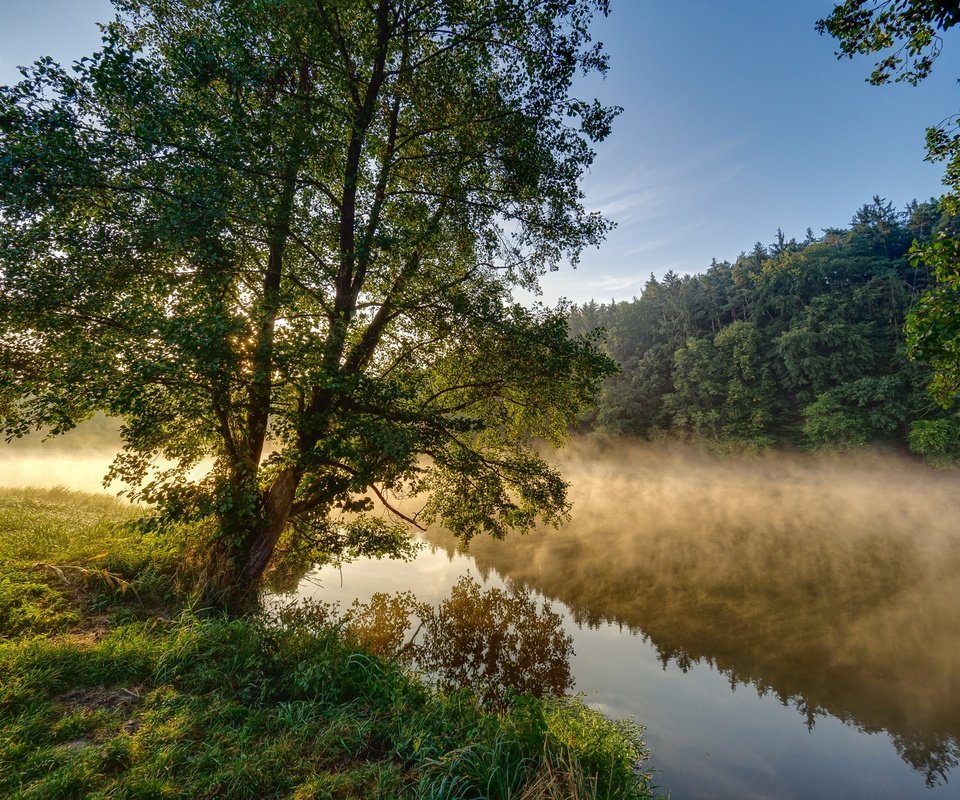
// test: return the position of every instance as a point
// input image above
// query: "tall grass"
(113, 688)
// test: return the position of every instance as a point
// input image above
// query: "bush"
(829, 425)
(936, 440)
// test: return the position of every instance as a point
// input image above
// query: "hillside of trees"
(793, 344)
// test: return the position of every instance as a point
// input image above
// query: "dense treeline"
(798, 343)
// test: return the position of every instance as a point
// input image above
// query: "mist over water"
(832, 583)
(49, 467)
(827, 587)
(78, 459)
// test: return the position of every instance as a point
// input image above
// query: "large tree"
(284, 234)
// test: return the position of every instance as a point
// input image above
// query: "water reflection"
(494, 641)
(831, 585)
(835, 591)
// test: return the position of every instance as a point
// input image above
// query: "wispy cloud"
(651, 192)
(631, 205)
(613, 283)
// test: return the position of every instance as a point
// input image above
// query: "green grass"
(112, 686)
(63, 524)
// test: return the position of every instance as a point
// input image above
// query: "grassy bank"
(111, 685)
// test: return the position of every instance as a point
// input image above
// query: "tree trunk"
(277, 505)
(251, 558)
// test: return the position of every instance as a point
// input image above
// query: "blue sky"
(737, 120)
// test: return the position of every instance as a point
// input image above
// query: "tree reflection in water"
(832, 585)
(495, 642)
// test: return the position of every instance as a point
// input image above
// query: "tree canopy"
(283, 234)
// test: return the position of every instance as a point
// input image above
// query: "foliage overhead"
(906, 31)
(284, 235)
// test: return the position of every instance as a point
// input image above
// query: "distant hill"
(793, 343)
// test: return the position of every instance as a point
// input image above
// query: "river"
(783, 626)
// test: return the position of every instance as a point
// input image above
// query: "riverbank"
(112, 685)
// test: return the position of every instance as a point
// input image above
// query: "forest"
(798, 344)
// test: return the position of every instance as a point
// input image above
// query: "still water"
(784, 627)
